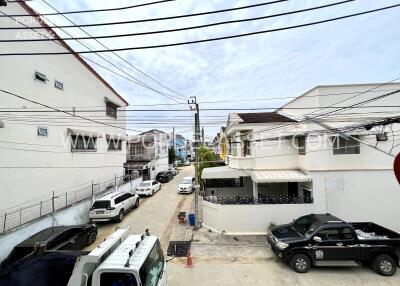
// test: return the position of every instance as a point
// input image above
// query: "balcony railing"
(240, 162)
(141, 157)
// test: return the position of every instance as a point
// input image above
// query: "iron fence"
(262, 200)
(57, 200)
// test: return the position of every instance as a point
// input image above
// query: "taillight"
(110, 209)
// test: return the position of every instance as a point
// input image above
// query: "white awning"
(224, 172)
(279, 176)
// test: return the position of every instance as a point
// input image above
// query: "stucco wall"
(251, 219)
(37, 165)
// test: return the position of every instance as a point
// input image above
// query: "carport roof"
(224, 172)
(279, 176)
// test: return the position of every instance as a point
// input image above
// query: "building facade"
(305, 158)
(147, 154)
(43, 151)
(180, 145)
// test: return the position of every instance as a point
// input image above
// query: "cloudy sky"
(282, 64)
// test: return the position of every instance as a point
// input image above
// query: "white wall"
(251, 219)
(37, 165)
(363, 195)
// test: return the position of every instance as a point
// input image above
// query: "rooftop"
(264, 117)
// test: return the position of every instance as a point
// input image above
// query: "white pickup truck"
(122, 260)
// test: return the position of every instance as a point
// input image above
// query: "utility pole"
(173, 143)
(197, 159)
(202, 135)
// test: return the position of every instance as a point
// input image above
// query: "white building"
(147, 153)
(286, 164)
(43, 151)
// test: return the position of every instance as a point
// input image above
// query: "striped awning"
(279, 176)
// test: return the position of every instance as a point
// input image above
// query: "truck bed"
(372, 231)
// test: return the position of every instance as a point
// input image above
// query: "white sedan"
(148, 188)
(187, 185)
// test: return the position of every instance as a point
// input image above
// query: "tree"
(207, 159)
(171, 155)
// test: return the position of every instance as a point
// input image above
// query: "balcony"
(140, 157)
(240, 162)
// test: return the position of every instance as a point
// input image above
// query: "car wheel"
(91, 237)
(385, 265)
(121, 216)
(137, 203)
(300, 263)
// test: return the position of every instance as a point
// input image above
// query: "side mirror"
(317, 239)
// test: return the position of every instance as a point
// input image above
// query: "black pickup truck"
(325, 240)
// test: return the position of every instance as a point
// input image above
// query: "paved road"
(157, 213)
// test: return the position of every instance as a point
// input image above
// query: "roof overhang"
(83, 133)
(279, 176)
(224, 172)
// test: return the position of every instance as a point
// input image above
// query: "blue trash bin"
(192, 219)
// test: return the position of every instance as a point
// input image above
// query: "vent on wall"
(42, 131)
(41, 77)
(59, 85)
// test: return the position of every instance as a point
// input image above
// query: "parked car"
(148, 188)
(164, 177)
(174, 171)
(113, 206)
(75, 237)
(325, 240)
(187, 185)
(187, 163)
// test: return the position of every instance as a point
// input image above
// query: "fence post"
(41, 206)
(66, 198)
(52, 201)
(92, 189)
(20, 216)
(115, 180)
(5, 221)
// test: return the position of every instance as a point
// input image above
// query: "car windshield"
(101, 205)
(303, 224)
(187, 181)
(145, 184)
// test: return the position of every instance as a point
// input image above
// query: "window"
(346, 233)
(246, 148)
(153, 267)
(137, 150)
(41, 77)
(115, 278)
(345, 146)
(329, 234)
(42, 131)
(301, 145)
(83, 143)
(59, 85)
(111, 109)
(119, 199)
(114, 145)
(101, 205)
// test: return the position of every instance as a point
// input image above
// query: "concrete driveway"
(245, 260)
(157, 213)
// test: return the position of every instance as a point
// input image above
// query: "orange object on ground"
(189, 262)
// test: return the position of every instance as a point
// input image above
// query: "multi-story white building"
(42, 150)
(288, 163)
(147, 153)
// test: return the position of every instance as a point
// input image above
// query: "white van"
(122, 259)
(113, 206)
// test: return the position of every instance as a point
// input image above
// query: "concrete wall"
(37, 165)
(251, 219)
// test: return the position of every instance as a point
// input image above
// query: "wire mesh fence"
(57, 200)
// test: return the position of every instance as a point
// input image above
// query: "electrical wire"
(97, 10)
(120, 57)
(172, 30)
(163, 18)
(206, 40)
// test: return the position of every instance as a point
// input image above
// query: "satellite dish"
(396, 167)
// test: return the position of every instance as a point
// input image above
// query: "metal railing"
(57, 200)
(262, 200)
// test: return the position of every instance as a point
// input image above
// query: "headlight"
(281, 245)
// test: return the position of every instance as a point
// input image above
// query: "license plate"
(99, 212)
